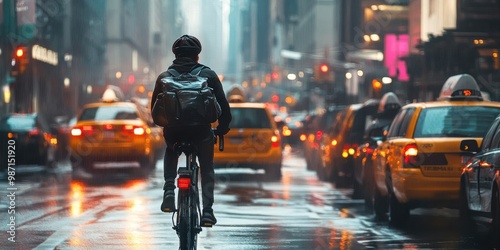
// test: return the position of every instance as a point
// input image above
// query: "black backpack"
(185, 99)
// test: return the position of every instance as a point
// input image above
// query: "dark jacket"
(186, 65)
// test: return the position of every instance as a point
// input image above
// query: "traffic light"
(20, 52)
(323, 72)
(324, 68)
(131, 79)
(376, 84)
(19, 61)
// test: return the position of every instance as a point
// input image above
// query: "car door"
(476, 175)
(384, 149)
(486, 172)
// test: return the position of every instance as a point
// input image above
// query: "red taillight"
(136, 130)
(410, 153)
(275, 141)
(350, 148)
(368, 150)
(183, 182)
(319, 134)
(82, 130)
(34, 132)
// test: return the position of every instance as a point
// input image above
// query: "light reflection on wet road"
(115, 211)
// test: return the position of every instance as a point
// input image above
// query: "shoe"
(208, 218)
(168, 204)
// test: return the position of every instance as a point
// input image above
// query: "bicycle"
(187, 217)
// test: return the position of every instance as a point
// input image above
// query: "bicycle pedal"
(207, 225)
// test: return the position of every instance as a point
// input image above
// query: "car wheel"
(312, 164)
(357, 187)
(334, 174)
(380, 205)
(466, 220)
(321, 172)
(274, 172)
(368, 186)
(495, 210)
(148, 162)
(398, 212)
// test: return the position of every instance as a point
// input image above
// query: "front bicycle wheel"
(184, 223)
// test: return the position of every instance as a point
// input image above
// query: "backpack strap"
(196, 71)
(173, 72)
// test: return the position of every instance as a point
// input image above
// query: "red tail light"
(183, 182)
(368, 150)
(319, 134)
(350, 148)
(275, 141)
(34, 132)
(410, 153)
(136, 130)
(82, 130)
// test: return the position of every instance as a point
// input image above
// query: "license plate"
(108, 134)
(236, 140)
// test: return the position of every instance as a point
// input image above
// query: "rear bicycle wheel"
(195, 222)
(184, 220)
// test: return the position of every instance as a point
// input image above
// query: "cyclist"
(186, 50)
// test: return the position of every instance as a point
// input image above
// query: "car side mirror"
(469, 146)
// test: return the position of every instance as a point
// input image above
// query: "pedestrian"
(186, 50)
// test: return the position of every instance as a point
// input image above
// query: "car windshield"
(249, 118)
(109, 113)
(455, 121)
(17, 122)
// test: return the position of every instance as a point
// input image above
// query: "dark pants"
(203, 138)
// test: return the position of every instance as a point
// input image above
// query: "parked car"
(420, 162)
(323, 172)
(27, 139)
(343, 146)
(480, 182)
(315, 130)
(363, 184)
(253, 142)
(116, 132)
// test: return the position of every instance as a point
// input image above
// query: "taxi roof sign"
(461, 87)
(389, 102)
(112, 94)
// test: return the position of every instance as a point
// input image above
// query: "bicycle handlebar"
(221, 140)
(221, 143)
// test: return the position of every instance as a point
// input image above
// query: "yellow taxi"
(253, 142)
(113, 134)
(420, 162)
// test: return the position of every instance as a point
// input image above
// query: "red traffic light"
(324, 68)
(20, 52)
(131, 79)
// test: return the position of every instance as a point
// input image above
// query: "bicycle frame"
(188, 215)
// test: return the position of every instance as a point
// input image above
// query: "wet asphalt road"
(114, 210)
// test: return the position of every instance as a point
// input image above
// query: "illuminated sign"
(45, 55)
